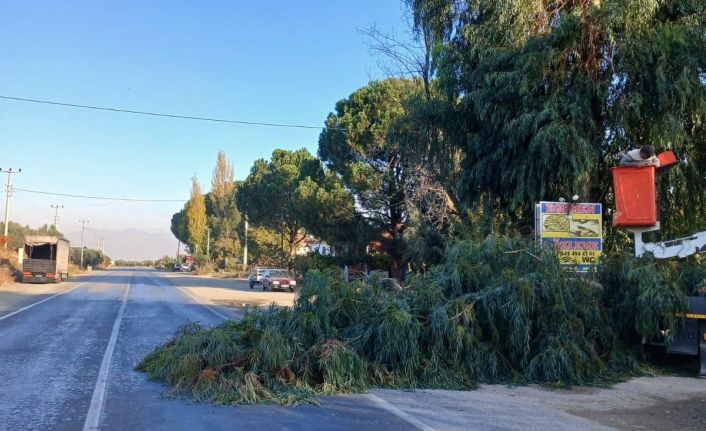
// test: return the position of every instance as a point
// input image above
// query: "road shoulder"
(655, 403)
(229, 292)
(14, 296)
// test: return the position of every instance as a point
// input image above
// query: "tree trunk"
(398, 269)
(292, 255)
(293, 241)
(396, 245)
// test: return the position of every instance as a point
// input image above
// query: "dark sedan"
(278, 279)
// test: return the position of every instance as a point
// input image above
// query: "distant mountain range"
(129, 244)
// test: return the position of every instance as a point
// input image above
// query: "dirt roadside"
(688, 414)
(645, 403)
(229, 292)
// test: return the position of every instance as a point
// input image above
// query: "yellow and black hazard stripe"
(692, 316)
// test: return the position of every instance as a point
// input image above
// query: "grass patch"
(496, 311)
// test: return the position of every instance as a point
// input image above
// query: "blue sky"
(275, 61)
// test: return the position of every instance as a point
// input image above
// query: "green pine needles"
(496, 311)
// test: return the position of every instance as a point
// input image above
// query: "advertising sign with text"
(574, 230)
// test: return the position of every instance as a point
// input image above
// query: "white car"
(255, 276)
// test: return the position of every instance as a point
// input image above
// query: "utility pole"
(83, 229)
(178, 247)
(56, 216)
(101, 244)
(245, 249)
(8, 194)
(208, 243)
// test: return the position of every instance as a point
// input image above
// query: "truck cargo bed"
(47, 259)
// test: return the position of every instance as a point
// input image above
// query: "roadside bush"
(496, 311)
(318, 262)
(205, 268)
(315, 261)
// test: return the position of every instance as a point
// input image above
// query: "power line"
(106, 198)
(159, 114)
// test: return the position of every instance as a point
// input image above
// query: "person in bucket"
(640, 157)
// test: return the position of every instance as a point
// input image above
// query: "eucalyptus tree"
(546, 94)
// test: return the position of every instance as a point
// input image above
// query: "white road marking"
(27, 307)
(198, 300)
(98, 399)
(398, 412)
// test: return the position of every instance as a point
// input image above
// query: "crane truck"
(636, 210)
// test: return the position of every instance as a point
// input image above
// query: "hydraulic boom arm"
(680, 247)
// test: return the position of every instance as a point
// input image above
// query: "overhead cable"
(160, 114)
(106, 198)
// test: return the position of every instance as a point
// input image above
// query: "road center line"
(27, 307)
(93, 416)
(398, 412)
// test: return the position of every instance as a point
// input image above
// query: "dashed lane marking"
(98, 399)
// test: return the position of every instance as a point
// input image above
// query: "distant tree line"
(91, 257)
(164, 262)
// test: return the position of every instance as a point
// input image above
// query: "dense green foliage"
(268, 195)
(178, 226)
(294, 194)
(497, 310)
(541, 97)
(223, 216)
(356, 144)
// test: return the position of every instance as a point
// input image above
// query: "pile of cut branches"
(499, 310)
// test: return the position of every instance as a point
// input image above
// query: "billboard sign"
(574, 230)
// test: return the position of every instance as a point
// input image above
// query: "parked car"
(255, 276)
(177, 267)
(186, 268)
(278, 279)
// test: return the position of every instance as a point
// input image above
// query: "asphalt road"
(66, 362)
(68, 352)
